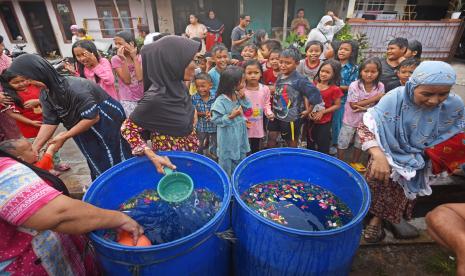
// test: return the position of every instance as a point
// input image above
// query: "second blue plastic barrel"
(267, 248)
(200, 253)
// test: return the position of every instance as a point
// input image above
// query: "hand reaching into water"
(129, 225)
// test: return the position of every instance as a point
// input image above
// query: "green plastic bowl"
(175, 186)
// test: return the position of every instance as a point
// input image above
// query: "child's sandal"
(358, 167)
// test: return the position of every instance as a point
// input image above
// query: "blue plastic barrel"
(200, 253)
(267, 248)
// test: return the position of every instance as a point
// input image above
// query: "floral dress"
(133, 134)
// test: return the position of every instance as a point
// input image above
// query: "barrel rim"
(292, 151)
(176, 154)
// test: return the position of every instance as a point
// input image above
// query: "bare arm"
(80, 127)
(334, 107)
(138, 69)
(20, 118)
(242, 40)
(45, 132)
(70, 216)
(368, 101)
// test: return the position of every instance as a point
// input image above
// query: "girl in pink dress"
(89, 65)
(259, 95)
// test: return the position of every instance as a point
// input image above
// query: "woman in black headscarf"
(91, 117)
(166, 110)
(215, 29)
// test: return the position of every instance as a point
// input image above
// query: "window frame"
(116, 22)
(60, 22)
(7, 29)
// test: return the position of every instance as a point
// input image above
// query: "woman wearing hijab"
(215, 29)
(165, 110)
(92, 118)
(412, 134)
(42, 228)
(325, 30)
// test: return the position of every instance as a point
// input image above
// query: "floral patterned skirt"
(160, 142)
(388, 201)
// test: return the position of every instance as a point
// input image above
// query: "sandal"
(358, 167)
(374, 234)
(62, 167)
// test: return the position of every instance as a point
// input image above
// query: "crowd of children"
(268, 96)
(307, 102)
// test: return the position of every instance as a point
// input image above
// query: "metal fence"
(439, 38)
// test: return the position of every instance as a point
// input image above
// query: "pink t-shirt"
(105, 73)
(129, 92)
(357, 93)
(261, 105)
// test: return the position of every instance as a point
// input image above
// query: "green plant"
(295, 40)
(362, 39)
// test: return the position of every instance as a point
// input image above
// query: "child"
(259, 96)
(414, 49)
(270, 75)
(319, 131)
(347, 55)
(220, 57)
(22, 149)
(203, 101)
(89, 65)
(394, 56)
(82, 35)
(128, 67)
(266, 48)
(26, 109)
(249, 52)
(228, 114)
(363, 93)
(311, 64)
(294, 99)
(406, 69)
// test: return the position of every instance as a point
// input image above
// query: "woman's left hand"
(31, 103)
(59, 140)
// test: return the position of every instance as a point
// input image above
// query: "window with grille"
(110, 23)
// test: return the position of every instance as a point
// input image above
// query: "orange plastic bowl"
(125, 238)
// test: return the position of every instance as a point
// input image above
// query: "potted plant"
(457, 10)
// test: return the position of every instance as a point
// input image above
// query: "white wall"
(165, 16)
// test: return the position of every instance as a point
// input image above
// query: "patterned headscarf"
(404, 130)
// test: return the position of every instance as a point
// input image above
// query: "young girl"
(311, 64)
(414, 49)
(26, 110)
(319, 131)
(128, 66)
(228, 113)
(347, 54)
(259, 96)
(363, 94)
(89, 65)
